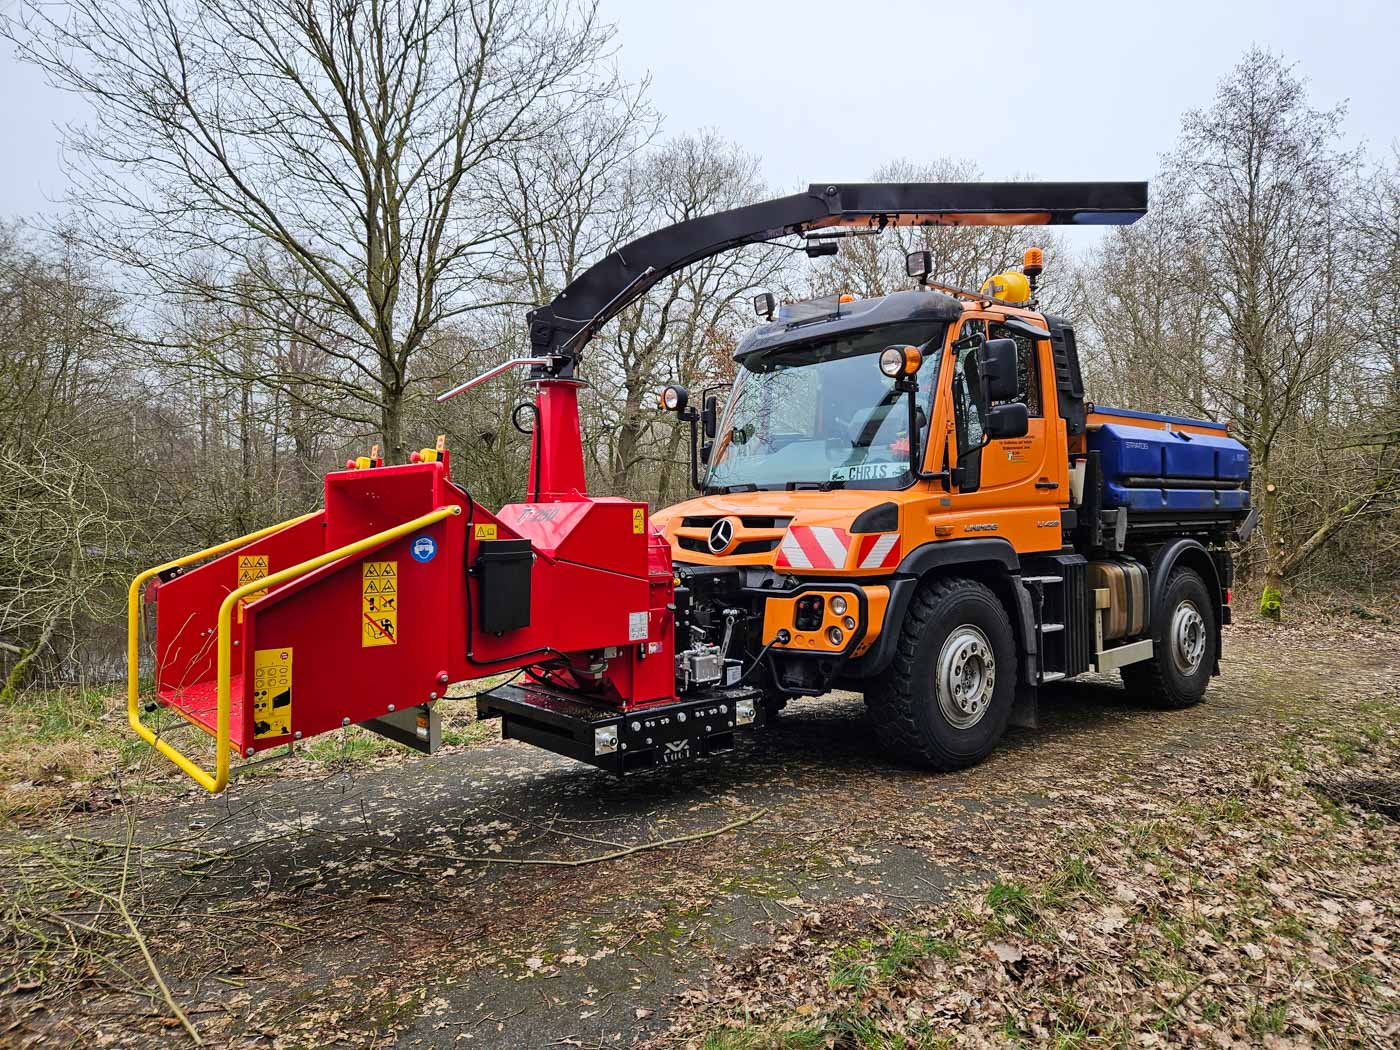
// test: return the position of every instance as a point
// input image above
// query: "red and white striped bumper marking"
(879, 551)
(814, 547)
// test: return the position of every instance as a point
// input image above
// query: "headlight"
(838, 604)
(850, 623)
(896, 361)
(673, 398)
(834, 635)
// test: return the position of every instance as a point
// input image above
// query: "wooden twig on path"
(559, 862)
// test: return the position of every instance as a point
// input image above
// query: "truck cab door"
(1012, 471)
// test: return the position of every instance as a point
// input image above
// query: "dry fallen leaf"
(1008, 953)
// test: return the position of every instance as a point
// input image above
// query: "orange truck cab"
(909, 496)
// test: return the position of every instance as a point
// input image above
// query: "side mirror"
(709, 416)
(1007, 421)
(996, 362)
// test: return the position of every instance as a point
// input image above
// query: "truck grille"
(749, 521)
(758, 533)
(744, 547)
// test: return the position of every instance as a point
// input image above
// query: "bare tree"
(352, 141)
(1265, 180)
(1235, 300)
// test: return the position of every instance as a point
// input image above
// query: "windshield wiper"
(742, 486)
(820, 486)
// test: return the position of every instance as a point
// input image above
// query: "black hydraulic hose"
(756, 661)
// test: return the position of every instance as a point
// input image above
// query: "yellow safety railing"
(218, 780)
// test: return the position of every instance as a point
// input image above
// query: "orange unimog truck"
(911, 497)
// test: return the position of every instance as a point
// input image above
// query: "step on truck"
(907, 496)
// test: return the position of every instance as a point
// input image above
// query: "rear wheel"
(1183, 644)
(946, 697)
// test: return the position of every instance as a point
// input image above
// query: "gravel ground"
(495, 895)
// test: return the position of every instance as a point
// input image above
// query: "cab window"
(1027, 368)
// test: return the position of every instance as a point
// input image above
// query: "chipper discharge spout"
(366, 611)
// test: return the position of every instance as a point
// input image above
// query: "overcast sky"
(827, 91)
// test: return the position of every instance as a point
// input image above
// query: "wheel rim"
(966, 677)
(1188, 638)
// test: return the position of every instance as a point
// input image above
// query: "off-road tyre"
(904, 704)
(1171, 680)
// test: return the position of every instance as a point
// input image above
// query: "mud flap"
(1025, 709)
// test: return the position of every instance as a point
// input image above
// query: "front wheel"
(1184, 642)
(945, 699)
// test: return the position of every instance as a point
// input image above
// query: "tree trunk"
(391, 412)
(1271, 600)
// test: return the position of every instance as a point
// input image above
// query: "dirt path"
(350, 911)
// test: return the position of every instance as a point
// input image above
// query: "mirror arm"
(692, 416)
(916, 460)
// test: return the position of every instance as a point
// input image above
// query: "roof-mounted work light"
(765, 305)
(919, 265)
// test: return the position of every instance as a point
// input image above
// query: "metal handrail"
(218, 780)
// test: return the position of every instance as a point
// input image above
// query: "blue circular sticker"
(424, 548)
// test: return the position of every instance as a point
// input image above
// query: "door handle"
(1046, 484)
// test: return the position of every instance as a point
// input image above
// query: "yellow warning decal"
(379, 603)
(272, 693)
(639, 521)
(252, 567)
(485, 532)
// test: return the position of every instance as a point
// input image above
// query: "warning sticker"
(379, 603)
(485, 532)
(637, 627)
(272, 693)
(252, 567)
(639, 521)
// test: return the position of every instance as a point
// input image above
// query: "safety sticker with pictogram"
(272, 693)
(379, 603)
(252, 567)
(639, 521)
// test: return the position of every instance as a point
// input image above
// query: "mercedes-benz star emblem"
(721, 536)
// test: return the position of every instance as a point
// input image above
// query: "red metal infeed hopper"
(366, 611)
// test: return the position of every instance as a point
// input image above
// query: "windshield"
(823, 413)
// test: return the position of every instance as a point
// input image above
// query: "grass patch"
(1011, 905)
(808, 1038)
(55, 743)
(868, 962)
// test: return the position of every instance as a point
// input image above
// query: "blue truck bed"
(1154, 464)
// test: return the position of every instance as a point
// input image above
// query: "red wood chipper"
(365, 611)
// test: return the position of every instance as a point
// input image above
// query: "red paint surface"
(600, 576)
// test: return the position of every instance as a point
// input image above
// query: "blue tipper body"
(1150, 467)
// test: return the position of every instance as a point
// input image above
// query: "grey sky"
(830, 89)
